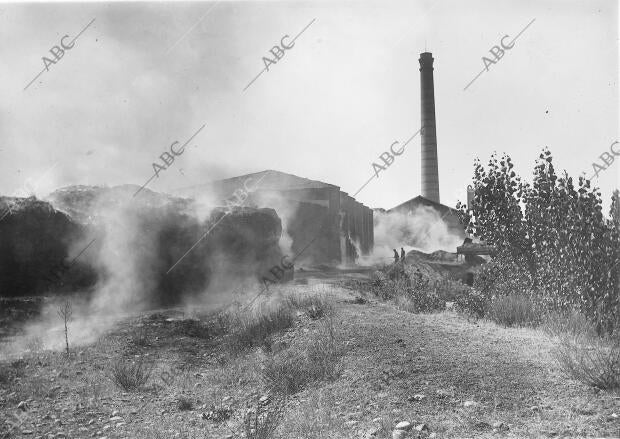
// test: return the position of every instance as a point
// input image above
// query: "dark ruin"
(326, 225)
(60, 245)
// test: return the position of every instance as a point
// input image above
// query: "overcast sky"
(144, 75)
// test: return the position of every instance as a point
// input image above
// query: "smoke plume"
(423, 229)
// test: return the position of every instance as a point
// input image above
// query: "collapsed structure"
(324, 224)
(87, 238)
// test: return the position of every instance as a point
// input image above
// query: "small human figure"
(395, 256)
(402, 254)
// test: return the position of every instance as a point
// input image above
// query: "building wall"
(357, 228)
(324, 216)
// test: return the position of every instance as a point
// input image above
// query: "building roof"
(420, 200)
(266, 180)
(270, 179)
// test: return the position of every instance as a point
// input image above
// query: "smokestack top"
(426, 60)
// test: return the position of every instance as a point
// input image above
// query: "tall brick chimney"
(430, 172)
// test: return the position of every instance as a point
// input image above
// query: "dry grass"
(314, 305)
(130, 375)
(596, 363)
(513, 310)
(581, 353)
(415, 294)
(314, 418)
(140, 338)
(252, 328)
(290, 370)
(262, 421)
(570, 324)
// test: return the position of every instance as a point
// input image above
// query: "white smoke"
(423, 229)
(286, 210)
(122, 249)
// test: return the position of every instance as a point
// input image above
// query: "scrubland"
(337, 359)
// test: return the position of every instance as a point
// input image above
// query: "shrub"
(323, 353)
(513, 310)
(314, 305)
(569, 324)
(140, 337)
(130, 375)
(261, 423)
(218, 414)
(184, 403)
(218, 411)
(472, 302)
(581, 353)
(412, 292)
(424, 296)
(251, 329)
(593, 361)
(290, 370)
(285, 373)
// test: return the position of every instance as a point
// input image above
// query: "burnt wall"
(34, 238)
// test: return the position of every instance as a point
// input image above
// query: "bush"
(315, 306)
(581, 353)
(262, 423)
(571, 324)
(472, 302)
(323, 353)
(289, 371)
(424, 296)
(285, 373)
(130, 375)
(140, 338)
(251, 329)
(412, 292)
(513, 310)
(184, 403)
(593, 361)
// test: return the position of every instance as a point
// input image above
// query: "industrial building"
(324, 224)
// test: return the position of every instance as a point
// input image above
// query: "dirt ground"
(449, 376)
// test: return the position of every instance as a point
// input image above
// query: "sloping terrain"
(447, 376)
